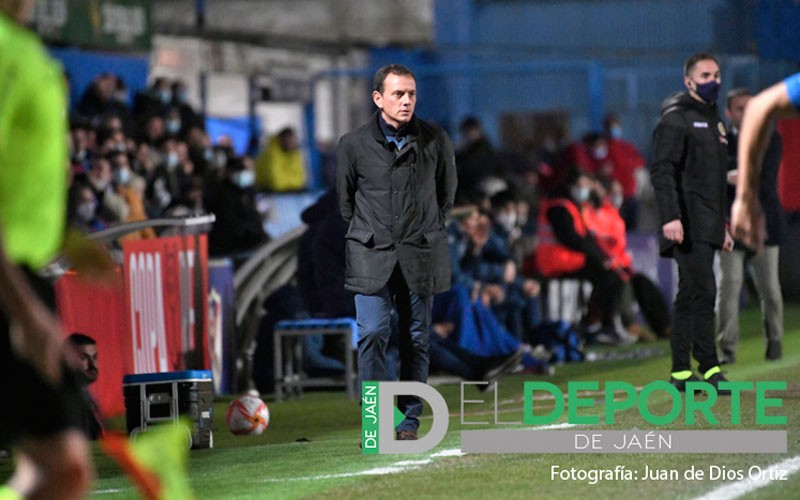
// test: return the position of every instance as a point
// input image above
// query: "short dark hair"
(286, 132)
(391, 69)
(79, 338)
(734, 93)
(693, 59)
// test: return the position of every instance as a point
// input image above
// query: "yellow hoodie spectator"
(280, 167)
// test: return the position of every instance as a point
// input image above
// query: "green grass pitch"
(310, 449)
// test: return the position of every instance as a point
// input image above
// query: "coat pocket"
(362, 236)
(434, 236)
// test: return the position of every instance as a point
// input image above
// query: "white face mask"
(172, 126)
(600, 152)
(507, 220)
(616, 200)
(122, 175)
(172, 160)
(579, 194)
(244, 178)
(85, 211)
(100, 184)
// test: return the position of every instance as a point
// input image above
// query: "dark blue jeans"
(374, 317)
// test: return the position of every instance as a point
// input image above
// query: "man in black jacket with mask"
(395, 181)
(688, 173)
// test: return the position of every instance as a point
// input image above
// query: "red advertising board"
(99, 311)
(167, 312)
(154, 320)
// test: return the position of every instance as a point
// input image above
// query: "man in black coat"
(396, 180)
(688, 173)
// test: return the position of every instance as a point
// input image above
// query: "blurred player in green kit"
(39, 400)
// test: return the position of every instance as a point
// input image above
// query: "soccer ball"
(247, 415)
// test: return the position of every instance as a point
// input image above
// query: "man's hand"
(492, 294)
(531, 288)
(727, 246)
(747, 222)
(673, 231)
(509, 272)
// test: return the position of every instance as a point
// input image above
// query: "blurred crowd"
(561, 211)
(149, 156)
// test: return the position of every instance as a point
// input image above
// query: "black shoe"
(508, 365)
(774, 350)
(407, 436)
(681, 384)
(715, 380)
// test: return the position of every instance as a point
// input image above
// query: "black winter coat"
(688, 170)
(395, 203)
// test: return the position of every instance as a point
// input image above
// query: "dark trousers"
(374, 318)
(693, 312)
(32, 407)
(607, 288)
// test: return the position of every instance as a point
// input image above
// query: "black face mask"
(709, 91)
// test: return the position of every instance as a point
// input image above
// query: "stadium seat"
(289, 377)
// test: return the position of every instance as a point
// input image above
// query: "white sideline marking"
(403, 465)
(109, 490)
(748, 485)
(454, 452)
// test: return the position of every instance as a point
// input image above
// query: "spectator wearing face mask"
(604, 222)
(98, 99)
(628, 169)
(180, 100)
(238, 227)
(566, 249)
(130, 187)
(154, 100)
(602, 155)
(82, 208)
(168, 179)
(201, 153)
(111, 208)
(173, 125)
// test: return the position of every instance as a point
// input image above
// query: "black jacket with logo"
(688, 170)
(395, 203)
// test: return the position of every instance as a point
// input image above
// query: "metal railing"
(268, 268)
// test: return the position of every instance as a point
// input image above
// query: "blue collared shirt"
(396, 136)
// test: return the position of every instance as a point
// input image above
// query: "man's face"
(735, 110)
(398, 99)
(704, 71)
(88, 358)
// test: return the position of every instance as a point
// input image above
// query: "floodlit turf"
(311, 446)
